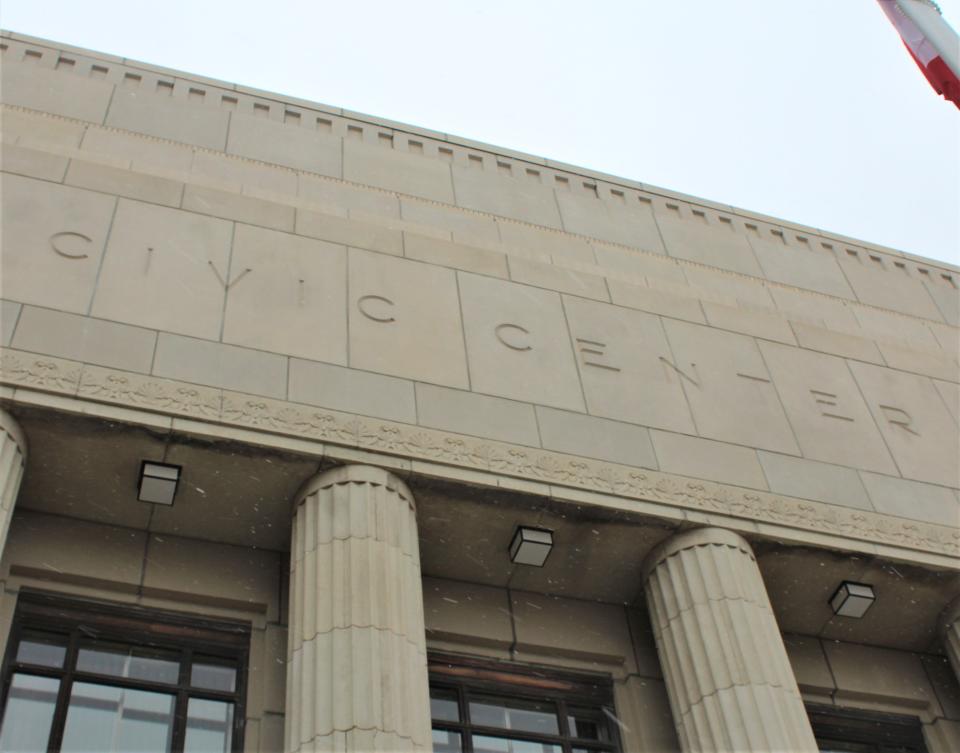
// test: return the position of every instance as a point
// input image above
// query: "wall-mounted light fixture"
(531, 546)
(852, 599)
(158, 482)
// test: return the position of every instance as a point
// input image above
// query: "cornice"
(449, 455)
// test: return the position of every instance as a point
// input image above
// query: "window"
(480, 706)
(852, 731)
(83, 676)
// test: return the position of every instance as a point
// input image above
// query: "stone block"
(335, 194)
(729, 289)
(51, 241)
(466, 613)
(836, 343)
(599, 438)
(706, 459)
(556, 626)
(374, 165)
(618, 353)
(643, 713)
(658, 297)
(755, 322)
(933, 363)
(468, 228)
(921, 436)
(350, 232)
(879, 675)
(562, 279)
(191, 568)
(353, 391)
(32, 163)
(542, 242)
(218, 365)
(168, 117)
(644, 644)
(9, 313)
(632, 225)
(809, 268)
(484, 191)
(124, 182)
(728, 387)
(141, 151)
(912, 500)
(76, 550)
(37, 131)
(280, 144)
(477, 415)
(888, 326)
(950, 392)
(55, 92)
(828, 414)
(251, 176)
(942, 736)
(233, 206)
(396, 329)
(945, 683)
(287, 295)
(879, 283)
(706, 240)
(947, 298)
(819, 310)
(616, 259)
(456, 255)
(810, 666)
(809, 479)
(82, 338)
(517, 343)
(165, 269)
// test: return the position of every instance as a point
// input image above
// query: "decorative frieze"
(59, 376)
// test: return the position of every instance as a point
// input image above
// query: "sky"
(807, 110)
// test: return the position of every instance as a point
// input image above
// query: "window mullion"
(183, 699)
(59, 722)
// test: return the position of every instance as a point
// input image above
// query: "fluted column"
(13, 458)
(729, 680)
(356, 666)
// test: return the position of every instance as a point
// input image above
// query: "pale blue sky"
(809, 110)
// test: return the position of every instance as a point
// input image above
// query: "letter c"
(363, 299)
(498, 331)
(68, 234)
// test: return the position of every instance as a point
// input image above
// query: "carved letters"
(593, 348)
(829, 400)
(62, 241)
(364, 307)
(511, 341)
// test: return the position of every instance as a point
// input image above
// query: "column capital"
(356, 473)
(9, 425)
(693, 538)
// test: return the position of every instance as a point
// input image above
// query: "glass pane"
(443, 705)
(104, 719)
(445, 741)
(211, 674)
(515, 714)
(26, 723)
(209, 726)
(588, 724)
(483, 744)
(129, 661)
(43, 649)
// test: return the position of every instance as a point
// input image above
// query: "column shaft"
(357, 669)
(729, 679)
(13, 457)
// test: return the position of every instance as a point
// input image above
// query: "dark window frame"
(887, 733)
(469, 676)
(78, 618)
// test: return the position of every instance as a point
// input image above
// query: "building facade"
(364, 358)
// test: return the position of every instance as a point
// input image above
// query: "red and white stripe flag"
(931, 42)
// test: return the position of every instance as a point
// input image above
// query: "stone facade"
(438, 340)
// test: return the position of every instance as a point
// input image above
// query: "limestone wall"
(163, 225)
